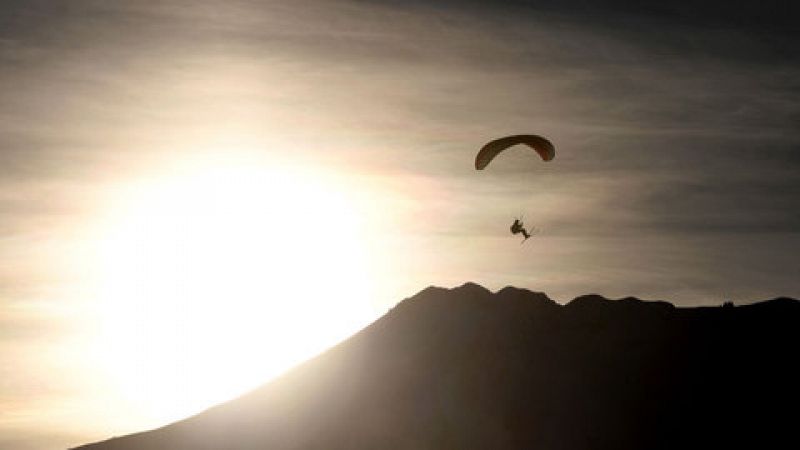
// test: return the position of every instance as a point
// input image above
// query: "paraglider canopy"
(541, 145)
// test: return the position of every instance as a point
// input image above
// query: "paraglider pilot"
(517, 228)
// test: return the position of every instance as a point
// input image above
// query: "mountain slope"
(468, 369)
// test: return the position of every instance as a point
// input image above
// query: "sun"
(217, 278)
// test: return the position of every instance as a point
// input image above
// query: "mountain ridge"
(469, 368)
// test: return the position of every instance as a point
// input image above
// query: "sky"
(180, 178)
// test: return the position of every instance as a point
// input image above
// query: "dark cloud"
(761, 30)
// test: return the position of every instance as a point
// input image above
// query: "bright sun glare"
(217, 278)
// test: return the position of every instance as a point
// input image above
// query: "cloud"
(666, 118)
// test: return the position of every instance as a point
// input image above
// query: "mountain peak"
(470, 288)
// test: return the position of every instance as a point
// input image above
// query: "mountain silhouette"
(466, 368)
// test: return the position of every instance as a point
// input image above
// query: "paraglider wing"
(543, 147)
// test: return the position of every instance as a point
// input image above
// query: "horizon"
(190, 182)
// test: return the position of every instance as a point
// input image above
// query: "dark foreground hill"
(469, 369)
